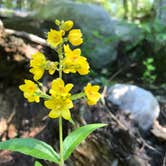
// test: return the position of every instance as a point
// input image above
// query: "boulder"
(138, 102)
(128, 32)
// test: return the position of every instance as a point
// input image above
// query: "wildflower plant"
(59, 99)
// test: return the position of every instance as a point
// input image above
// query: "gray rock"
(128, 32)
(139, 103)
(96, 24)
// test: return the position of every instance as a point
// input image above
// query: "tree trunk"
(19, 4)
(160, 6)
(125, 6)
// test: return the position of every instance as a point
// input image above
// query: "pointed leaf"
(77, 136)
(37, 163)
(32, 147)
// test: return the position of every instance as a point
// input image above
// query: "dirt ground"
(107, 145)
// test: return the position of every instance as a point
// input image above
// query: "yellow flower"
(74, 62)
(59, 107)
(75, 37)
(29, 89)
(60, 103)
(37, 65)
(92, 94)
(54, 37)
(59, 88)
(83, 66)
(67, 50)
(67, 25)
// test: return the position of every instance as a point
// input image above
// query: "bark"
(14, 42)
(19, 4)
(15, 52)
(125, 6)
(24, 23)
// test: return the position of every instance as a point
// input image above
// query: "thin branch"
(29, 36)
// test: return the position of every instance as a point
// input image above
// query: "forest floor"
(21, 119)
(119, 144)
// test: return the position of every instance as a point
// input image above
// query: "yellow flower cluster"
(55, 37)
(74, 62)
(60, 103)
(92, 94)
(59, 100)
(30, 89)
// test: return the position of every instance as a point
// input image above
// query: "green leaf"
(150, 67)
(150, 60)
(32, 147)
(77, 136)
(37, 163)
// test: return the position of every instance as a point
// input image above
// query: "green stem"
(61, 141)
(77, 96)
(60, 69)
(60, 55)
(42, 95)
(60, 118)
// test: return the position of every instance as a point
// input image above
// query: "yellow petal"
(68, 87)
(54, 37)
(77, 52)
(66, 114)
(68, 51)
(22, 87)
(38, 60)
(69, 70)
(92, 94)
(75, 37)
(57, 83)
(38, 74)
(83, 66)
(90, 102)
(37, 99)
(54, 114)
(67, 25)
(50, 104)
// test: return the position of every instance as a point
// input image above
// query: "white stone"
(138, 102)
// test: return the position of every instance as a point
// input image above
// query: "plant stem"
(61, 141)
(77, 96)
(60, 118)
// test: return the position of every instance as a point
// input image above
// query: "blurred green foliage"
(152, 41)
(133, 10)
(126, 9)
(149, 75)
(22, 4)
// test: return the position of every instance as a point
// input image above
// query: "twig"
(147, 145)
(28, 36)
(114, 117)
(117, 121)
(11, 116)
